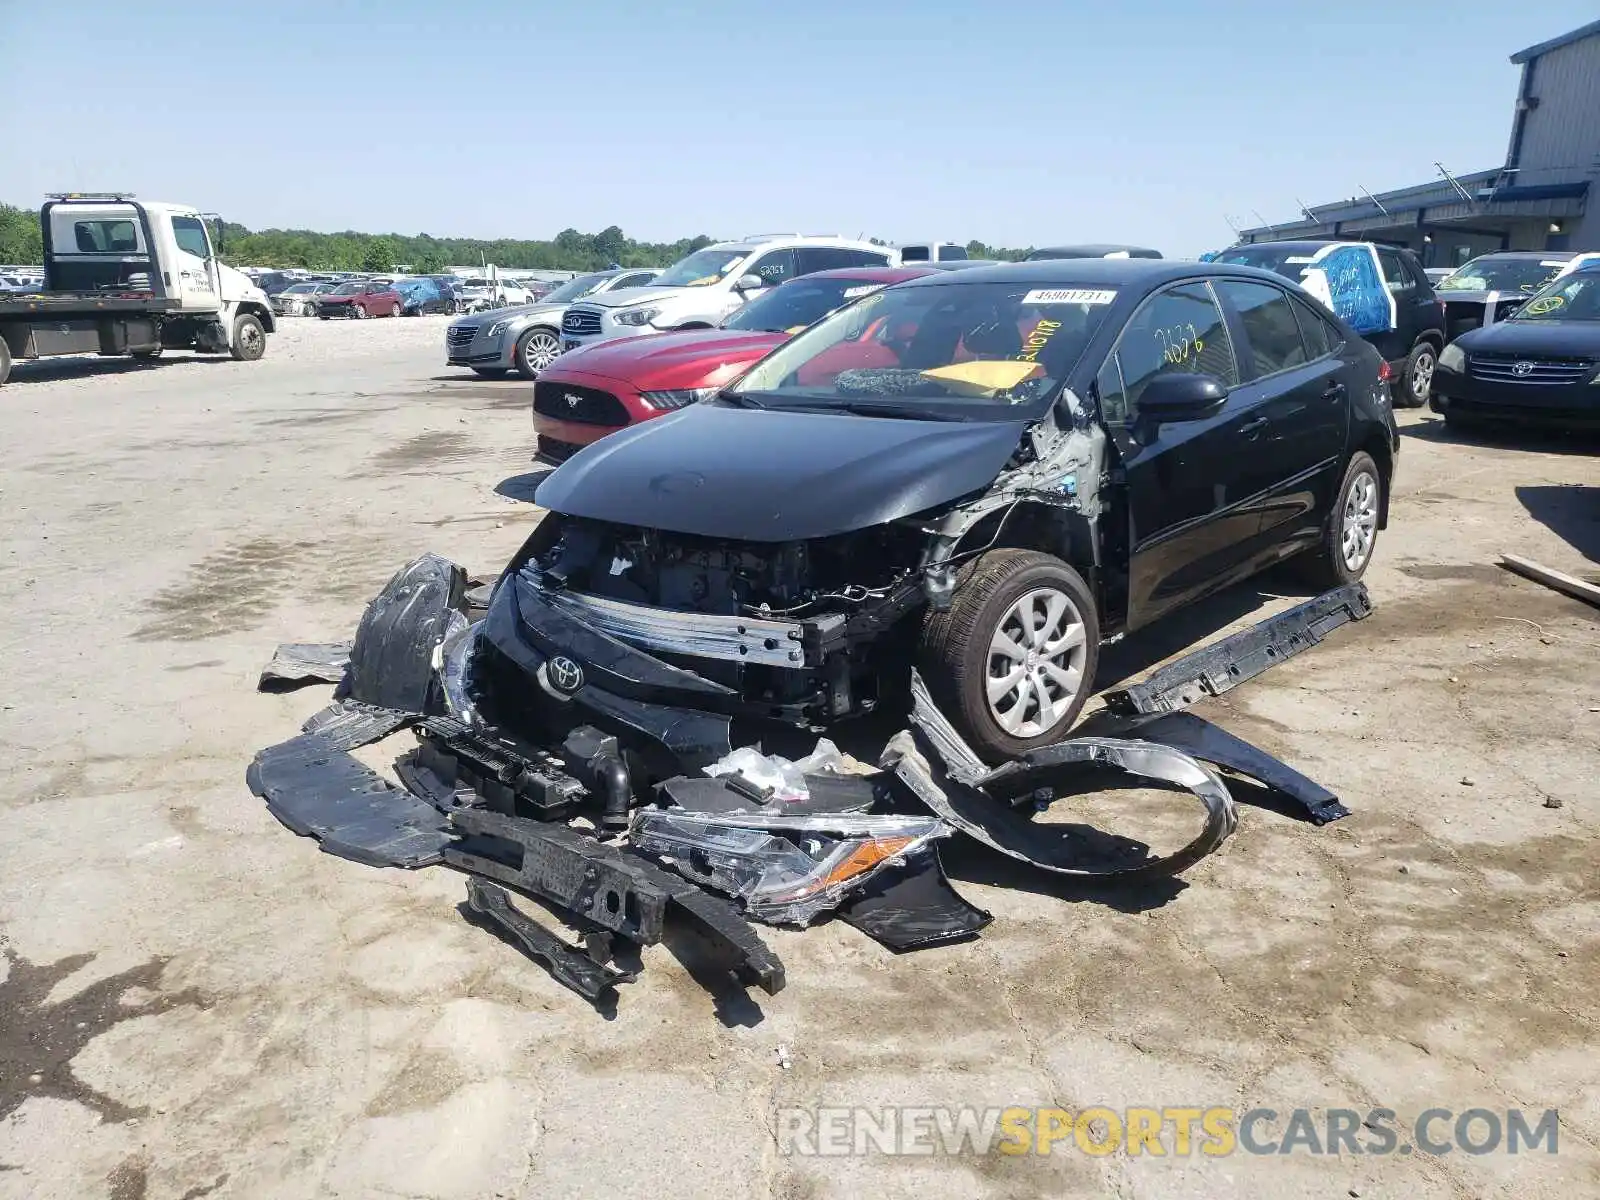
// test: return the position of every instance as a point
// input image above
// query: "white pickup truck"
(130, 277)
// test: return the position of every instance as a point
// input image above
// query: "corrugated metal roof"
(1555, 43)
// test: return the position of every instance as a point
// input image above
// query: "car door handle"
(1334, 391)
(1252, 427)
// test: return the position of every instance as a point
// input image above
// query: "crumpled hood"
(773, 476)
(691, 359)
(1534, 338)
(628, 297)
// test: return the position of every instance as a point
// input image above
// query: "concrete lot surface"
(195, 1002)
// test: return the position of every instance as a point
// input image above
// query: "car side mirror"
(1181, 396)
(749, 283)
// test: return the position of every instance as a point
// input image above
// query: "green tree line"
(423, 253)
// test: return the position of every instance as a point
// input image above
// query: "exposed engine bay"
(795, 628)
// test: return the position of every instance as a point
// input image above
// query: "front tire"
(249, 338)
(5, 361)
(360, 313)
(1350, 533)
(1416, 377)
(1012, 660)
(536, 350)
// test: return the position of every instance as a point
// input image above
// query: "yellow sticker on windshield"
(1546, 304)
(1038, 339)
(983, 378)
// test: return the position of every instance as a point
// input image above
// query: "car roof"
(757, 243)
(1108, 272)
(1095, 250)
(1552, 255)
(870, 274)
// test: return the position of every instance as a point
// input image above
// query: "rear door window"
(1395, 276)
(1272, 334)
(1319, 336)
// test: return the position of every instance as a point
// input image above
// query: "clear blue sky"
(1015, 123)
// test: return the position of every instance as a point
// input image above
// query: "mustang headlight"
(1453, 358)
(676, 397)
(636, 316)
(785, 869)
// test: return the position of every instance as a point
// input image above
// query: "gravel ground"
(194, 1002)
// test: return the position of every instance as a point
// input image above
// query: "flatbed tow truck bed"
(85, 304)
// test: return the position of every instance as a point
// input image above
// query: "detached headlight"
(496, 329)
(676, 397)
(787, 870)
(1453, 358)
(636, 316)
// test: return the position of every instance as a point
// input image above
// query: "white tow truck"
(130, 277)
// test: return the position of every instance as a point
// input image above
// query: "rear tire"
(394, 310)
(1416, 377)
(249, 338)
(1012, 660)
(5, 362)
(1350, 534)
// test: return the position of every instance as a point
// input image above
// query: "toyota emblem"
(572, 401)
(1522, 369)
(565, 675)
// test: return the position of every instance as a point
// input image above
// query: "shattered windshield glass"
(938, 351)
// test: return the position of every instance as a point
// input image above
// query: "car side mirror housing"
(1181, 396)
(749, 283)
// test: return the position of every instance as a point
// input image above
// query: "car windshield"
(701, 268)
(1290, 262)
(476, 283)
(299, 289)
(576, 289)
(798, 303)
(1492, 274)
(939, 351)
(349, 289)
(1572, 298)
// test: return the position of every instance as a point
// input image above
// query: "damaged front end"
(667, 639)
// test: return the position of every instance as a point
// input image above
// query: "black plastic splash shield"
(391, 660)
(1217, 668)
(1210, 743)
(305, 662)
(913, 907)
(318, 790)
(567, 964)
(346, 724)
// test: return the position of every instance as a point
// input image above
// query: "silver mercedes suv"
(526, 338)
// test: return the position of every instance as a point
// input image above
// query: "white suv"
(698, 292)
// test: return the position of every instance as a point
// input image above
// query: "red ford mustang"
(588, 393)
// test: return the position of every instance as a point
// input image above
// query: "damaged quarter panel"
(776, 476)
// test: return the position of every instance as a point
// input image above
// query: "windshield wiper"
(740, 400)
(865, 409)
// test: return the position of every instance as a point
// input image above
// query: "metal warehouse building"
(1539, 200)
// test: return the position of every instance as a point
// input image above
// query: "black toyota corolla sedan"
(1542, 366)
(981, 473)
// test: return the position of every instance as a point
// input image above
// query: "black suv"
(1411, 344)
